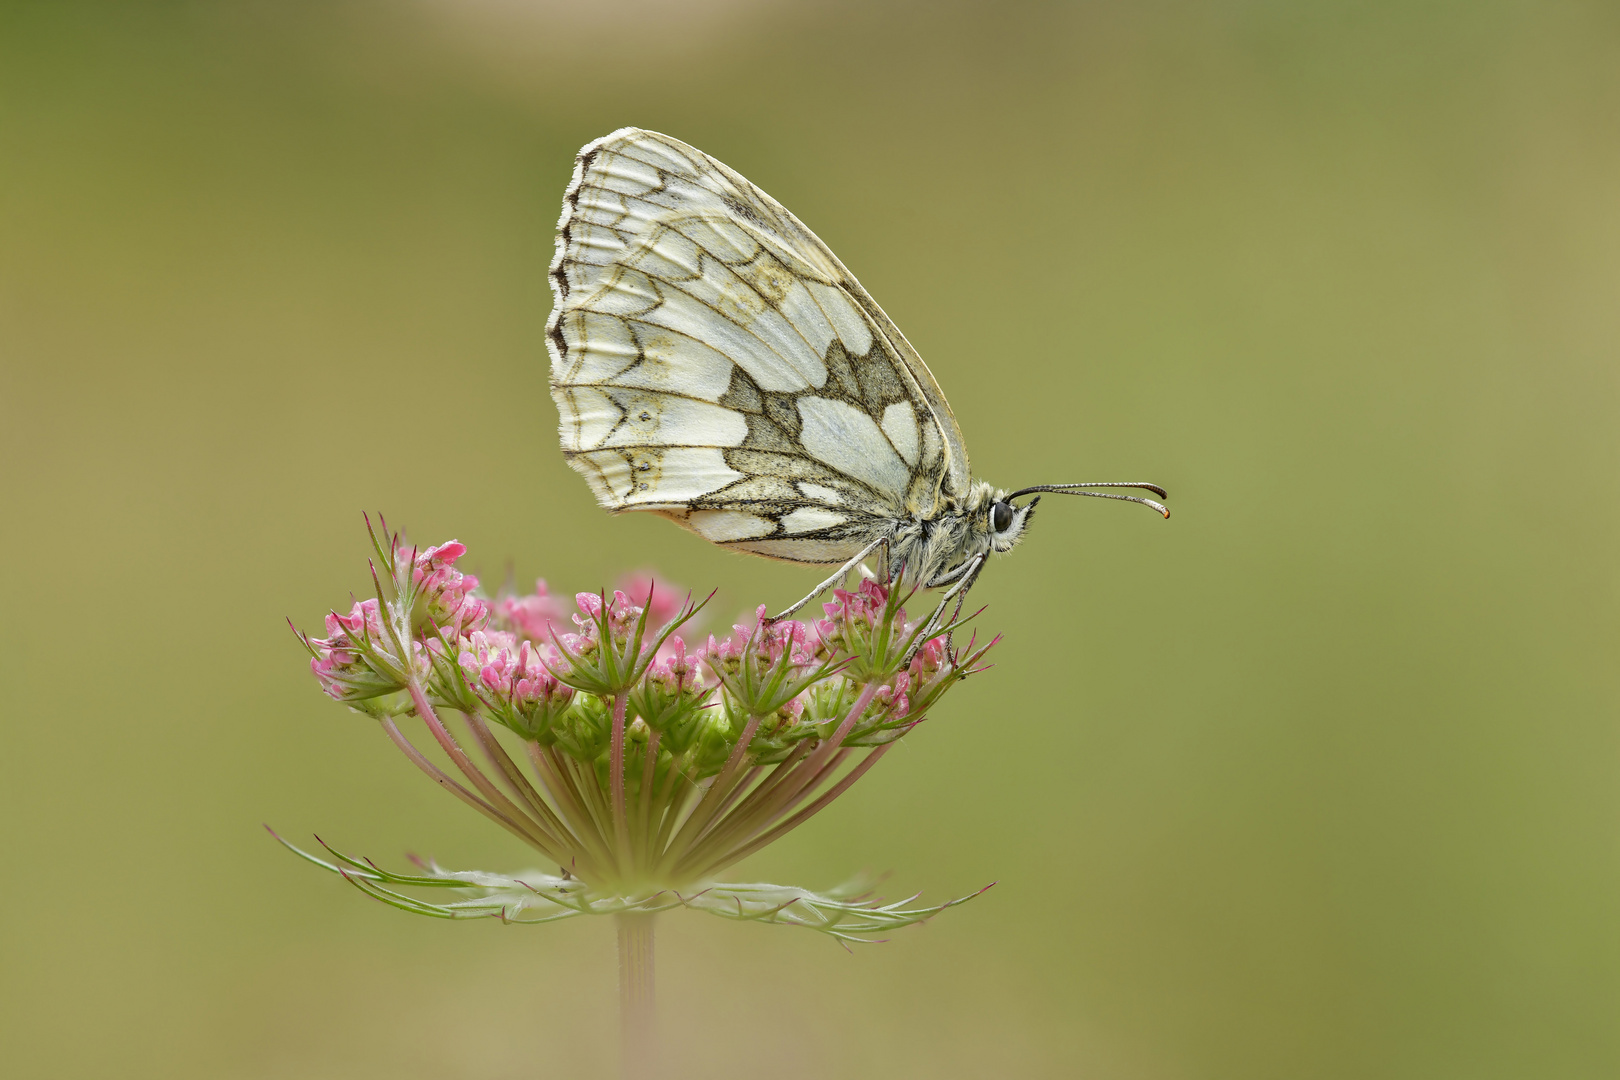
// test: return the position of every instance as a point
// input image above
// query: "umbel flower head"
(640, 764)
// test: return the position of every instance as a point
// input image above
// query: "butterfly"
(712, 361)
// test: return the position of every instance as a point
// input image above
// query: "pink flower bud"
(864, 606)
(444, 594)
(329, 673)
(338, 662)
(892, 697)
(487, 657)
(930, 658)
(622, 615)
(673, 670)
(515, 672)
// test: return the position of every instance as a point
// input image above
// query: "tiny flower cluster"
(444, 597)
(652, 763)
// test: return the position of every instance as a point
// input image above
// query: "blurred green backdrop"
(1318, 779)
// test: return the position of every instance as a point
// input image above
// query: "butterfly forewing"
(713, 361)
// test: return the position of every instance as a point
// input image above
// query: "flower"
(444, 595)
(514, 680)
(357, 664)
(617, 617)
(763, 668)
(673, 670)
(870, 626)
(652, 766)
(337, 661)
(612, 650)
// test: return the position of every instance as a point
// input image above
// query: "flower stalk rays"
(651, 766)
(640, 766)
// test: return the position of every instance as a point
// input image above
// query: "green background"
(1317, 779)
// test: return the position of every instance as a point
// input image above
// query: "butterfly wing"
(713, 361)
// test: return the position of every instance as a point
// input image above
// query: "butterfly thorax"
(962, 529)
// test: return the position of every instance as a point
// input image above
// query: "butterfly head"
(997, 520)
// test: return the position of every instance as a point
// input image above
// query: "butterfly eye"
(1001, 517)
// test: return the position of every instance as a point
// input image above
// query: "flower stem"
(800, 781)
(638, 1043)
(621, 825)
(450, 785)
(744, 850)
(424, 710)
(718, 789)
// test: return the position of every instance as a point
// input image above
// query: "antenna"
(1075, 489)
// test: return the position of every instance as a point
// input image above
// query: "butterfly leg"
(968, 581)
(954, 574)
(963, 576)
(880, 542)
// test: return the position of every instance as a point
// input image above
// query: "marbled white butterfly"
(715, 363)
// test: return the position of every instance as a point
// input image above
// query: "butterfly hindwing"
(714, 362)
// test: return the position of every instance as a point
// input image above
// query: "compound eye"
(1001, 517)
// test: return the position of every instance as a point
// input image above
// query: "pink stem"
(444, 781)
(560, 783)
(649, 769)
(800, 818)
(488, 790)
(582, 776)
(719, 819)
(673, 796)
(826, 749)
(718, 790)
(621, 828)
(742, 826)
(809, 787)
(518, 783)
(812, 767)
(779, 772)
(737, 791)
